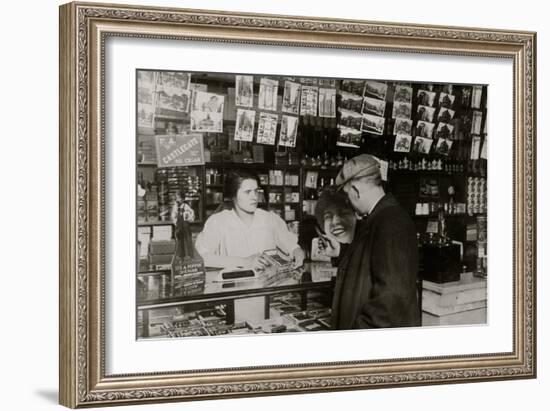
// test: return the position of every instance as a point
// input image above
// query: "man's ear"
(356, 190)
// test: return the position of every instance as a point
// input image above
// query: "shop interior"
(295, 134)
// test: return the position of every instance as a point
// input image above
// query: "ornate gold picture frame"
(85, 28)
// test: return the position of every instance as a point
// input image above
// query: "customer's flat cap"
(363, 165)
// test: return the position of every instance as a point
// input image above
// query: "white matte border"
(125, 355)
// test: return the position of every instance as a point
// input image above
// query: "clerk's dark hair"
(233, 181)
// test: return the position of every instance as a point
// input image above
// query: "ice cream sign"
(180, 150)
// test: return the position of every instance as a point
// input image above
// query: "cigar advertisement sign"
(180, 150)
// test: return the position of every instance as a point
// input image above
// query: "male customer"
(376, 281)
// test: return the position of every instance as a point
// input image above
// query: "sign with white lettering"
(180, 150)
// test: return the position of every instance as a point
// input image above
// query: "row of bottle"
(324, 160)
(437, 164)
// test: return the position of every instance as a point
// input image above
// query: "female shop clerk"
(237, 237)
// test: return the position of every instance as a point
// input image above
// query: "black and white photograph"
(402, 126)
(267, 98)
(402, 143)
(477, 91)
(172, 105)
(267, 127)
(172, 94)
(244, 126)
(375, 89)
(289, 129)
(234, 247)
(444, 130)
(197, 254)
(207, 102)
(353, 87)
(145, 97)
(422, 145)
(351, 102)
(402, 110)
(173, 82)
(475, 148)
(483, 153)
(291, 98)
(374, 106)
(445, 115)
(425, 113)
(349, 137)
(424, 129)
(446, 100)
(205, 121)
(476, 122)
(373, 124)
(402, 93)
(443, 146)
(309, 100)
(327, 102)
(350, 119)
(425, 97)
(244, 91)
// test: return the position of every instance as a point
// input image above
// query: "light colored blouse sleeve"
(286, 240)
(209, 239)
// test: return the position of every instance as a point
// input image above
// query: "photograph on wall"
(327, 102)
(267, 99)
(422, 145)
(425, 97)
(475, 148)
(206, 121)
(267, 127)
(195, 271)
(445, 115)
(374, 106)
(444, 130)
(424, 129)
(446, 100)
(402, 126)
(402, 110)
(477, 117)
(443, 146)
(350, 119)
(291, 98)
(425, 113)
(145, 97)
(171, 82)
(477, 91)
(207, 102)
(351, 102)
(349, 137)
(402, 143)
(402, 94)
(353, 87)
(372, 124)
(244, 126)
(289, 130)
(173, 94)
(309, 100)
(375, 89)
(483, 153)
(244, 91)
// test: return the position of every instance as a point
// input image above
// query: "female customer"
(237, 237)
